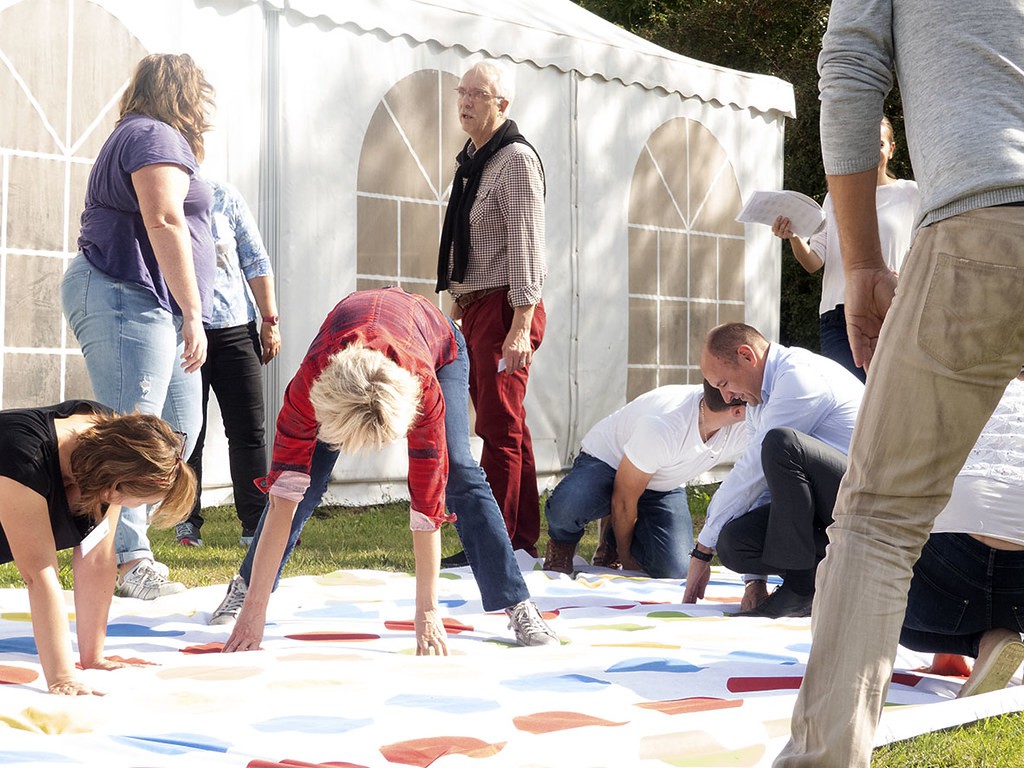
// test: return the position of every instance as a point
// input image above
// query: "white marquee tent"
(336, 120)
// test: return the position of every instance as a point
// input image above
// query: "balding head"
(733, 359)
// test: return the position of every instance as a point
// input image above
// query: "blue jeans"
(960, 590)
(835, 343)
(480, 524)
(663, 536)
(132, 348)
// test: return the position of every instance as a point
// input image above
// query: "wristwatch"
(705, 556)
(271, 319)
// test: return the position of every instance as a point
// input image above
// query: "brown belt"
(465, 299)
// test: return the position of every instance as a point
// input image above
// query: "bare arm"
(870, 284)
(430, 633)
(630, 483)
(161, 189)
(266, 302)
(516, 348)
(25, 520)
(94, 588)
(807, 258)
(252, 619)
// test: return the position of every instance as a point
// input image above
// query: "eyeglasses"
(475, 94)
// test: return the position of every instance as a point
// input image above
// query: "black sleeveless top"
(28, 455)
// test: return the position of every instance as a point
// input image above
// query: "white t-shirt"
(896, 204)
(988, 494)
(658, 433)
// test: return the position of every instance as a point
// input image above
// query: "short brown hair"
(714, 401)
(723, 340)
(138, 455)
(171, 88)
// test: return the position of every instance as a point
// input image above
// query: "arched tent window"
(405, 174)
(63, 66)
(686, 253)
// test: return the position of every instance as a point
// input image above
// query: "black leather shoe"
(781, 603)
(457, 560)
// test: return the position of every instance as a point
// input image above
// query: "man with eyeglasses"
(491, 259)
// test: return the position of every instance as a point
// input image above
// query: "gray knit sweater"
(960, 67)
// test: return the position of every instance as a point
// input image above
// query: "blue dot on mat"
(565, 683)
(140, 630)
(175, 743)
(32, 758)
(18, 645)
(673, 666)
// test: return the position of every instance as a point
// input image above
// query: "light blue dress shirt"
(803, 391)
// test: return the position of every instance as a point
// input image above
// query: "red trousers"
(507, 457)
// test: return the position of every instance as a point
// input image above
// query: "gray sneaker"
(146, 582)
(229, 607)
(530, 628)
(187, 534)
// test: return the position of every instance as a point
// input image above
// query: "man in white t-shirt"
(632, 466)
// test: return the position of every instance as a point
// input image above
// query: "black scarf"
(464, 189)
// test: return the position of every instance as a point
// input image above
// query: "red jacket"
(415, 334)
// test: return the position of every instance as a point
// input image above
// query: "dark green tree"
(771, 38)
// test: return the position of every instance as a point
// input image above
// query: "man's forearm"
(853, 196)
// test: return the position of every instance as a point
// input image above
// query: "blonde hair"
(135, 455)
(171, 88)
(363, 400)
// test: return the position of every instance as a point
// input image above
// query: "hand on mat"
(869, 292)
(697, 578)
(629, 562)
(72, 688)
(431, 639)
(948, 664)
(755, 593)
(108, 664)
(247, 633)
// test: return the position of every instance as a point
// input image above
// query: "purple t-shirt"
(113, 236)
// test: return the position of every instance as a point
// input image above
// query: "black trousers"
(803, 476)
(232, 369)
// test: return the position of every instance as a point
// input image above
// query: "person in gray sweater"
(954, 336)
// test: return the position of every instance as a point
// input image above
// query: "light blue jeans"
(132, 348)
(480, 524)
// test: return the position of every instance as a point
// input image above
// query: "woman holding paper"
(65, 472)
(896, 201)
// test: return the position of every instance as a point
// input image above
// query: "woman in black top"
(65, 472)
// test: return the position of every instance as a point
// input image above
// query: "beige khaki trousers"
(953, 339)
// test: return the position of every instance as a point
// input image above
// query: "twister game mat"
(639, 680)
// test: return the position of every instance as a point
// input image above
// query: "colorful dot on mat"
(424, 752)
(693, 704)
(209, 673)
(669, 615)
(194, 650)
(549, 722)
(451, 626)
(18, 645)
(758, 684)
(16, 675)
(450, 576)
(672, 666)
(454, 705)
(175, 743)
(338, 610)
(336, 637)
(563, 683)
(16, 616)
(903, 678)
(311, 724)
(15, 757)
(140, 630)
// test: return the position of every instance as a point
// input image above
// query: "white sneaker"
(145, 581)
(530, 628)
(229, 607)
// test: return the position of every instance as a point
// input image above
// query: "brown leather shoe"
(607, 553)
(559, 557)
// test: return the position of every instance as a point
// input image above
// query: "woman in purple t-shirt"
(140, 288)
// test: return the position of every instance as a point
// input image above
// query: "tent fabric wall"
(297, 85)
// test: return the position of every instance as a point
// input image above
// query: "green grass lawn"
(378, 537)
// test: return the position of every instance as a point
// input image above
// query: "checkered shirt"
(506, 224)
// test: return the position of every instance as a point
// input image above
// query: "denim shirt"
(241, 256)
